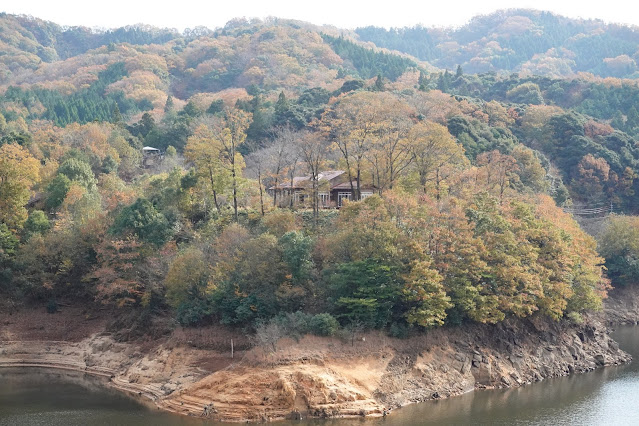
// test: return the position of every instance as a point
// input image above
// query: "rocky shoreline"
(323, 377)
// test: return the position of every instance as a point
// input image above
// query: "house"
(333, 186)
(151, 156)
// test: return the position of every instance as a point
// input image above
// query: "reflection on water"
(606, 396)
(31, 396)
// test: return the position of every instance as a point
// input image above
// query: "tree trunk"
(234, 176)
(358, 195)
(217, 205)
(290, 192)
(259, 179)
(275, 194)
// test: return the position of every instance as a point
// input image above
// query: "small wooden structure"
(334, 189)
(151, 156)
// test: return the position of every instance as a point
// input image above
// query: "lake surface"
(607, 396)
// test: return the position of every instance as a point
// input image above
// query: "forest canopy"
(184, 176)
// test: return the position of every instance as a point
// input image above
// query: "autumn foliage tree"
(19, 171)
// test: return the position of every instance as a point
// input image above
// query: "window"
(366, 194)
(341, 196)
(324, 199)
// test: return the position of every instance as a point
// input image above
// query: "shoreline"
(328, 378)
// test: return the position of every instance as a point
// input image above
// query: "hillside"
(519, 40)
(277, 182)
(285, 179)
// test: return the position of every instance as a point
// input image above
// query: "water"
(607, 396)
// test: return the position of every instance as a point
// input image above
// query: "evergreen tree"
(168, 106)
(379, 84)
(116, 116)
(216, 107)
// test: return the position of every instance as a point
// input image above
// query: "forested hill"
(519, 40)
(477, 178)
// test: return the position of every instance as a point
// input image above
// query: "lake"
(607, 396)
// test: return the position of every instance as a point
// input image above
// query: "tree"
(619, 245)
(433, 151)
(297, 254)
(168, 105)
(531, 173)
(79, 172)
(232, 135)
(592, 178)
(379, 84)
(282, 114)
(187, 283)
(425, 295)
(145, 222)
(57, 190)
(281, 158)
(116, 116)
(37, 223)
(216, 107)
(204, 150)
(8, 246)
(497, 170)
(19, 171)
(526, 93)
(390, 156)
(313, 149)
(354, 124)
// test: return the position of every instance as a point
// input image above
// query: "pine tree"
(379, 84)
(282, 110)
(116, 116)
(168, 106)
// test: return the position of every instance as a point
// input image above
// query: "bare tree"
(354, 125)
(231, 136)
(313, 149)
(283, 156)
(267, 335)
(255, 162)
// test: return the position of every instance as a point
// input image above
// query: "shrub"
(52, 306)
(323, 325)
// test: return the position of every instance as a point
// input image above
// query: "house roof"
(149, 148)
(330, 174)
(298, 181)
(346, 185)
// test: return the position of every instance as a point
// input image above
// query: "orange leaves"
(115, 274)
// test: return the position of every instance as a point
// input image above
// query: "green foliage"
(8, 242)
(364, 291)
(477, 137)
(77, 171)
(193, 311)
(37, 224)
(619, 245)
(84, 106)
(143, 220)
(57, 190)
(297, 254)
(216, 106)
(323, 325)
(297, 324)
(526, 93)
(367, 62)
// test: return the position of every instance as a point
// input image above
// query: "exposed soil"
(190, 371)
